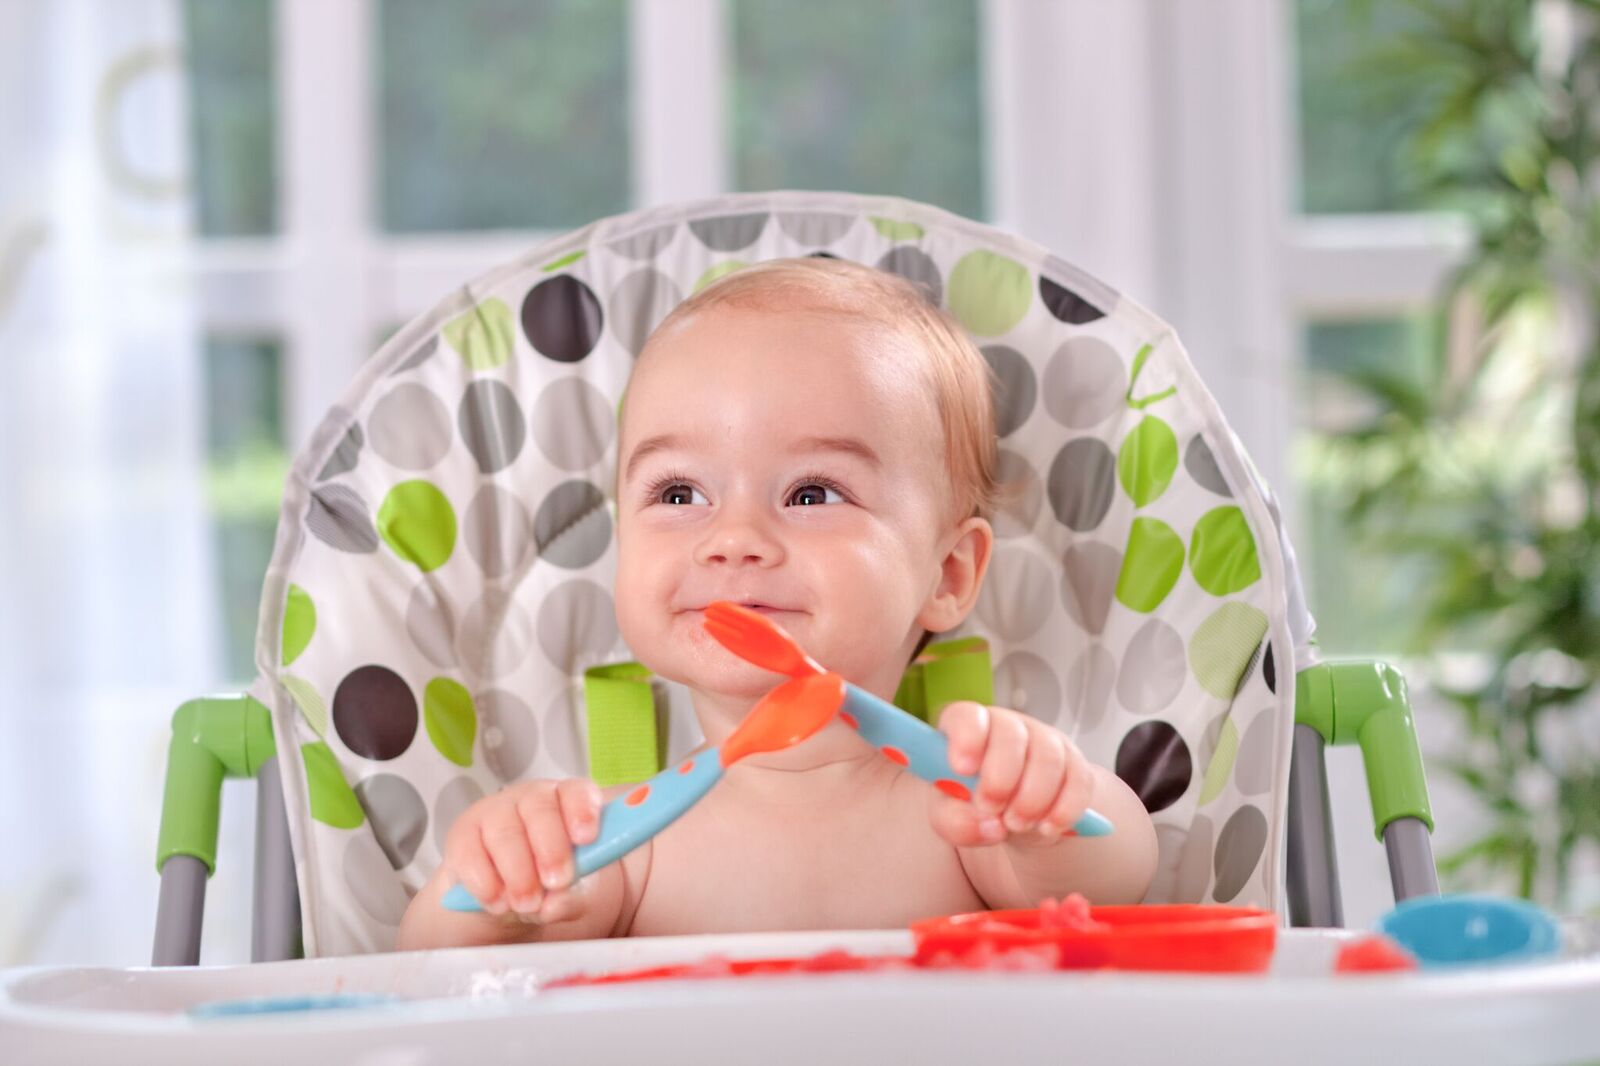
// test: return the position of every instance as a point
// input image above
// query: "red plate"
(1186, 938)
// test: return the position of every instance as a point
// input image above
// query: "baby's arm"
(1033, 784)
(513, 851)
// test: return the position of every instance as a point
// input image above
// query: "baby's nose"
(740, 537)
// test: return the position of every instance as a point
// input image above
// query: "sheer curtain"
(107, 600)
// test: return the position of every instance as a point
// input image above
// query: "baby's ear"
(961, 570)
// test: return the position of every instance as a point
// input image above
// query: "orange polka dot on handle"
(953, 789)
(894, 754)
(638, 795)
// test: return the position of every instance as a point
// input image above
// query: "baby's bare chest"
(871, 863)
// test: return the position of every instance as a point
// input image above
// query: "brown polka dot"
(374, 712)
(1155, 763)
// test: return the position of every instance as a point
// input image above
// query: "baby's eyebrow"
(847, 445)
(668, 441)
(649, 446)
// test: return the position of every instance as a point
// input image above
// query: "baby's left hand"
(1033, 783)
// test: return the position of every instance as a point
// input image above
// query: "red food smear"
(1072, 912)
(1373, 954)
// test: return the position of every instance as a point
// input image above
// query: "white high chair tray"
(483, 1005)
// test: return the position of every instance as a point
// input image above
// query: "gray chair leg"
(1313, 874)
(275, 926)
(179, 912)
(1410, 850)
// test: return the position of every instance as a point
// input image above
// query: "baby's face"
(787, 461)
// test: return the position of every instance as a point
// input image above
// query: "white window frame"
(1194, 103)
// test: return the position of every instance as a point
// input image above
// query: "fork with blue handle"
(900, 736)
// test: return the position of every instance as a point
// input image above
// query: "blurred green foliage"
(882, 97)
(501, 114)
(1478, 460)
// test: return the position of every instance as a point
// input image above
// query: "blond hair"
(951, 364)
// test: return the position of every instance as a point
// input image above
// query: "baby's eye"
(814, 493)
(679, 494)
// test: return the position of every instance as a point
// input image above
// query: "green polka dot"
(1221, 648)
(1222, 553)
(299, 622)
(989, 293)
(1221, 763)
(451, 719)
(721, 269)
(482, 336)
(417, 521)
(309, 701)
(895, 230)
(332, 801)
(1147, 461)
(1151, 566)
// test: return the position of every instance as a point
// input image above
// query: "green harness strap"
(627, 743)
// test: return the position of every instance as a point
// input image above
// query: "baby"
(813, 439)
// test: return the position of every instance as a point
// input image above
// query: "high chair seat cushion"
(443, 571)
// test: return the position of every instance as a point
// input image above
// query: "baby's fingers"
(959, 823)
(965, 725)
(552, 846)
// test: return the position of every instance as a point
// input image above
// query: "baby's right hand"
(513, 850)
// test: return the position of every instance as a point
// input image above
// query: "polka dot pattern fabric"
(445, 559)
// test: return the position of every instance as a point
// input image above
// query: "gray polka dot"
(1257, 755)
(372, 881)
(1082, 483)
(420, 355)
(410, 428)
(1024, 682)
(564, 738)
(1015, 599)
(729, 233)
(573, 423)
(639, 303)
(338, 517)
(915, 266)
(1084, 383)
(494, 634)
(510, 733)
(1015, 388)
(1089, 690)
(1238, 849)
(1153, 668)
(1169, 849)
(1021, 495)
(813, 229)
(498, 532)
(431, 625)
(398, 817)
(492, 424)
(454, 798)
(577, 626)
(573, 525)
(645, 245)
(345, 454)
(1202, 466)
(1088, 577)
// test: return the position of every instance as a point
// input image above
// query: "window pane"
(498, 114)
(247, 461)
(1351, 156)
(866, 97)
(1363, 601)
(231, 115)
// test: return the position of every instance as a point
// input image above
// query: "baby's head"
(813, 437)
